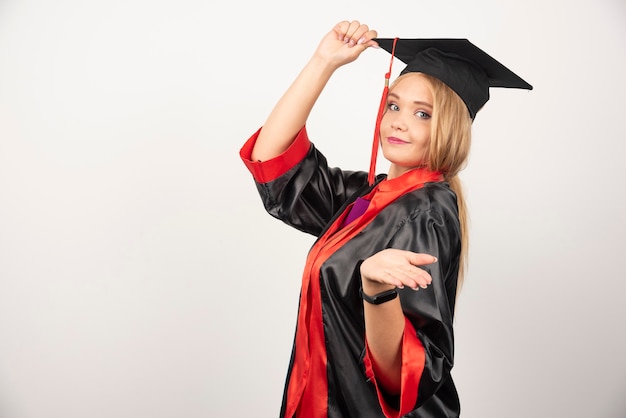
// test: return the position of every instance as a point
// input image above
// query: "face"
(405, 126)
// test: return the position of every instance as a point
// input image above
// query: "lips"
(395, 141)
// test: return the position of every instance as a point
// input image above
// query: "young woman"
(374, 335)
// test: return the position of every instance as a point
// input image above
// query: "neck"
(396, 171)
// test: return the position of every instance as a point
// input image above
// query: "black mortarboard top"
(461, 65)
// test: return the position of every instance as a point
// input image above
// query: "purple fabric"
(358, 208)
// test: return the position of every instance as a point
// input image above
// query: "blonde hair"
(449, 147)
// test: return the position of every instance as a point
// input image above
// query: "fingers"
(412, 277)
(420, 276)
(420, 259)
(355, 33)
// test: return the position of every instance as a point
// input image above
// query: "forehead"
(412, 87)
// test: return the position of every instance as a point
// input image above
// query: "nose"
(397, 123)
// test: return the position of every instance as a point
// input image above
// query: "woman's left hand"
(395, 268)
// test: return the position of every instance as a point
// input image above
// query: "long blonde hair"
(449, 147)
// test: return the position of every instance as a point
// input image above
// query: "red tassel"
(379, 117)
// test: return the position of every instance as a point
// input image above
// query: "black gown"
(301, 190)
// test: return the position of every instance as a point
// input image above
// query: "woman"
(374, 335)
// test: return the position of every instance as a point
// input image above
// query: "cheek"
(421, 133)
(384, 122)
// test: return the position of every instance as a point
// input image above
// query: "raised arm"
(342, 45)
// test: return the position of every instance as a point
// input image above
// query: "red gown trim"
(266, 171)
(413, 363)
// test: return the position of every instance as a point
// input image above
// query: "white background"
(140, 276)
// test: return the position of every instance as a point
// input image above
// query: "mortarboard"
(461, 65)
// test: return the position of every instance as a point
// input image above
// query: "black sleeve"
(434, 231)
(309, 195)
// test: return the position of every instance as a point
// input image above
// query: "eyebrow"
(417, 102)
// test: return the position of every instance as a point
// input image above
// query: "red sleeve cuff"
(265, 171)
(413, 360)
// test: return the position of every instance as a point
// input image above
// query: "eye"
(393, 106)
(422, 115)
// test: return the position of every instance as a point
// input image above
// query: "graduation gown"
(330, 373)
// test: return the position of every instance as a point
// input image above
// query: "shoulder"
(432, 207)
(433, 198)
(427, 220)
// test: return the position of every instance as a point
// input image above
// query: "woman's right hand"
(345, 42)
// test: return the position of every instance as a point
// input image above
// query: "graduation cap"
(461, 65)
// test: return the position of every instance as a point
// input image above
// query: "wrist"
(379, 298)
(372, 287)
(323, 64)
